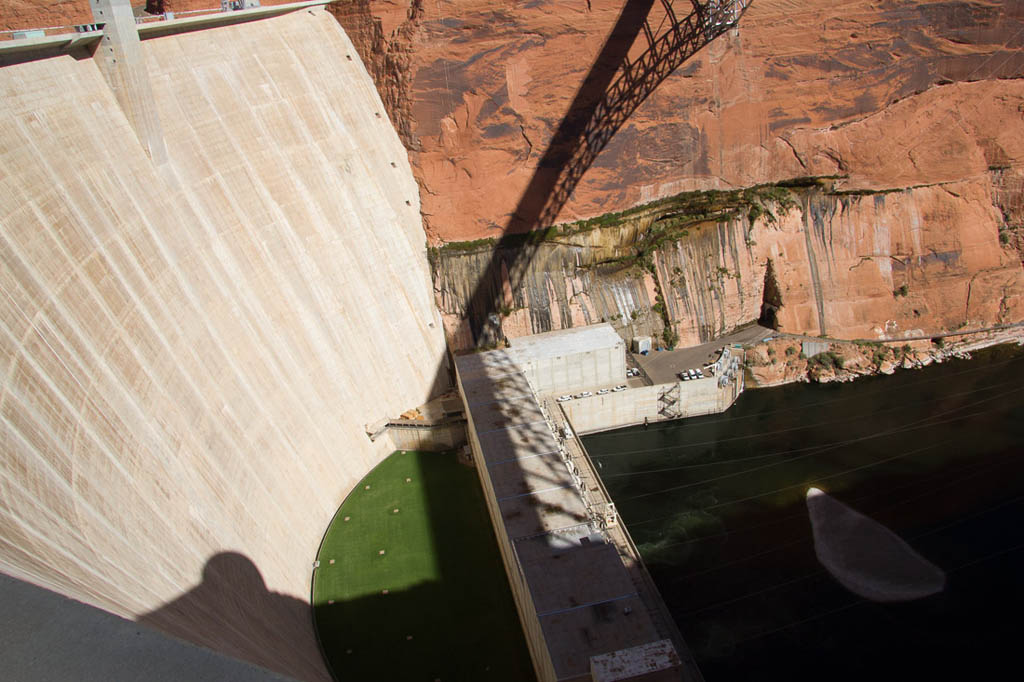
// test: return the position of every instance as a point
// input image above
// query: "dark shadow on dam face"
(45, 636)
(232, 611)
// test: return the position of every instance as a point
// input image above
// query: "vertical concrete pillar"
(120, 59)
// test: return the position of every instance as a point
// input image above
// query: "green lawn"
(448, 613)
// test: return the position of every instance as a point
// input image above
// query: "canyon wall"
(18, 15)
(808, 260)
(778, 97)
(192, 351)
(33, 14)
(892, 97)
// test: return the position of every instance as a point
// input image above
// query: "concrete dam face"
(193, 349)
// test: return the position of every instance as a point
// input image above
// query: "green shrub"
(755, 212)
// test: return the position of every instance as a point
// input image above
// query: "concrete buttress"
(120, 60)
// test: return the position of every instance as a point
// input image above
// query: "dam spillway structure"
(187, 374)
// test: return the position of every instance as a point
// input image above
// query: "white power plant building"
(569, 360)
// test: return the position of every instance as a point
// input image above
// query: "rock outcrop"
(788, 359)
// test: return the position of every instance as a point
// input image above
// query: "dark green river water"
(717, 506)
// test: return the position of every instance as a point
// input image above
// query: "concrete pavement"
(663, 366)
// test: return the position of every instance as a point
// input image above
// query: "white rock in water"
(867, 558)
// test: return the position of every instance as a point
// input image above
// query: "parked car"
(563, 398)
(603, 391)
(586, 394)
(621, 387)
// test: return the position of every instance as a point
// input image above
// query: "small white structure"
(641, 344)
(568, 360)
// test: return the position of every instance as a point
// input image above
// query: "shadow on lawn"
(460, 626)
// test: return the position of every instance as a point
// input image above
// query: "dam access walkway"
(579, 585)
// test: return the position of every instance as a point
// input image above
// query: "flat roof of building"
(565, 342)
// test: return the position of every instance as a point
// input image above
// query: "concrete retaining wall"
(632, 406)
(435, 437)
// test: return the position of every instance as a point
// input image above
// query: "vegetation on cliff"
(689, 268)
(659, 222)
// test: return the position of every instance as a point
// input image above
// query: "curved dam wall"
(192, 351)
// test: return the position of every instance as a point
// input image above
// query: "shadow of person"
(232, 611)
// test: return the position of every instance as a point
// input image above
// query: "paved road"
(922, 337)
(662, 367)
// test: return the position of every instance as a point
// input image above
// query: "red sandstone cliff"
(36, 14)
(920, 100)
(32, 14)
(799, 89)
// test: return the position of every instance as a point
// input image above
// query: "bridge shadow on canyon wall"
(615, 86)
